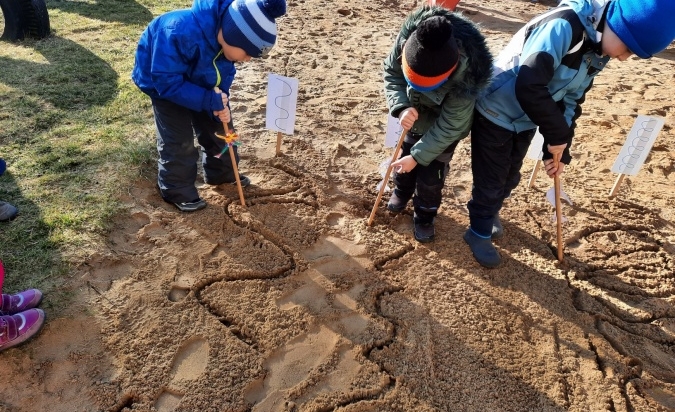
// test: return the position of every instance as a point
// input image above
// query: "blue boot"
(483, 249)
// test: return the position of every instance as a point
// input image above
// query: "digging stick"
(558, 208)
(386, 176)
(234, 167)
(232, 156)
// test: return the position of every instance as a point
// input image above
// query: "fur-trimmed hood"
(471, 43)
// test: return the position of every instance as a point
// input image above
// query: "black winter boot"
(424, 230)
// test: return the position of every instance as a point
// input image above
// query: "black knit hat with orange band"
(430, 54)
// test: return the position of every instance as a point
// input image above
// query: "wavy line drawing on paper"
(283, 113)
(638, 144)
(282, 95)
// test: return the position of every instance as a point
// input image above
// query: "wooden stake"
(232, 158)
(558, 210)
(386, 176)
(534, 173)
(278, 144)
(235, 168)
(617, 183)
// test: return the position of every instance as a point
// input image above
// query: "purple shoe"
(18, 328)
(11, 304)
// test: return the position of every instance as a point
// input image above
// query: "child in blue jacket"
(185, 63)
(540, 80)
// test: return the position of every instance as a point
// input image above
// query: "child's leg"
(178, 155)
(430, 181)
(491, 162)
(404, 183)
(216, 170)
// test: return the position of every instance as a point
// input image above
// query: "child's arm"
(453, 124)
(170, 61)
(542, 54)
(395, 85)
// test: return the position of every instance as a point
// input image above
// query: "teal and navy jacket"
(445, 113)
(180, 60)
(541, 78)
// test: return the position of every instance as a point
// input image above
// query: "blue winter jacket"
(179, 59)
(542, 76)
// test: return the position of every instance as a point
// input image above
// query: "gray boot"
(7, 211)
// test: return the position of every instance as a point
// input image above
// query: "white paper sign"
(638, 144)
(550, 196)
(394, 130)
(534, 152)
(282, 97)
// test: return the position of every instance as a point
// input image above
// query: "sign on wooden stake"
(636, 148)
(282, 97)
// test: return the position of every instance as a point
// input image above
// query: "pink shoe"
(18, 328)
(11, 304)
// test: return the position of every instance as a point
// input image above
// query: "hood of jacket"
(590, 13)
(470, 41)
(208, 15)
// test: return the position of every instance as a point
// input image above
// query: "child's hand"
(554, 167)
(551, 169)
(556, 150)
(404, 164)
(223, 96)
(408, 117)
(223, 115)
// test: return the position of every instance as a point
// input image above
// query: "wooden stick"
(534, 173)
(232, 158)
(236, 170)
(278, 144)
(386, 176)
(617, 183)
(558, 210)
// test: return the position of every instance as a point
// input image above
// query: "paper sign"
(550, 196)
(383, 172)
(282, 97)
(394, 130)
(534, 152)
(638, 144)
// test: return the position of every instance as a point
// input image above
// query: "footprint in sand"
(190, 362)
(303, 368)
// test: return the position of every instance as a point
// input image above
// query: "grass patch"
(75, 133)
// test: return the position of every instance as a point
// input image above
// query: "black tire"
(11, 10)
(25, 18)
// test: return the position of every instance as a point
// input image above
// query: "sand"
(293, 303)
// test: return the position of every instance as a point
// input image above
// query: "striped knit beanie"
(430, 54)
(645, 26)
(250, 25)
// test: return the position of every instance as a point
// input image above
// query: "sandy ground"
(293, 303)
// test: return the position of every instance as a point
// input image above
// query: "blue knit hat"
(250, 25)
(645, 26)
